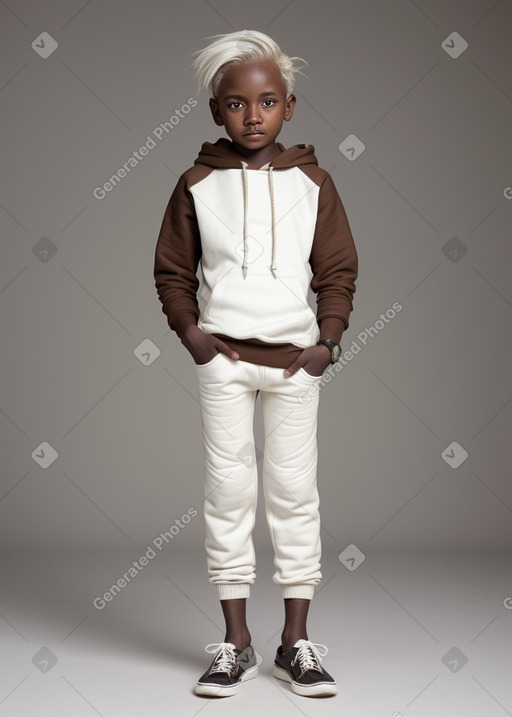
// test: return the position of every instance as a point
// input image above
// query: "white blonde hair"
(235, 48)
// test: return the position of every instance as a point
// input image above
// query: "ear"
(290, 106)
(214, 108)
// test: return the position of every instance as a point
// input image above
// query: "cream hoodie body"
(259, 238)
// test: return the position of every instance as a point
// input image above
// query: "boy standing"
(263, 223)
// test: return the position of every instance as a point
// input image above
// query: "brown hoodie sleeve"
(333, 258)
(177, 255)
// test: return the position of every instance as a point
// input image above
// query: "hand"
(313, 359)
(203, 346)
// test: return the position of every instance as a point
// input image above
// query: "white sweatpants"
(227, 390)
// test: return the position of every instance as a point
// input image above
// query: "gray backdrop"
(429, 201)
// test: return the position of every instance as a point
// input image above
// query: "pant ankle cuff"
(230, 591)
(298, 590)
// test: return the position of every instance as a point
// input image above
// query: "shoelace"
(308, 656)
(225, 660)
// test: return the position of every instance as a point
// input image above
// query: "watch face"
(336, 353)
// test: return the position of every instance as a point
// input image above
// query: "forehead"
(247, 76)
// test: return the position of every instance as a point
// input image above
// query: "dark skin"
(259, 103)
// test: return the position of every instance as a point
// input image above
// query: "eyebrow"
(241, 97)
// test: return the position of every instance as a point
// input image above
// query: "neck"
(257, 157)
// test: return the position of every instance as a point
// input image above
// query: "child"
(264, 223)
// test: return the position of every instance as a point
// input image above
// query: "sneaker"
(227, 670)
(301, 666)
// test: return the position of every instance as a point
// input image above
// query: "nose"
(253, 114)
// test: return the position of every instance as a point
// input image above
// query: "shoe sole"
(312, 691)
(220, 691)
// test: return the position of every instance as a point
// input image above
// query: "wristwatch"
(333, 347)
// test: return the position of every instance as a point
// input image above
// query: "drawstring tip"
(273, 272)
(244, 270)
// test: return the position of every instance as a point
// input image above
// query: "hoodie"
(260, 239)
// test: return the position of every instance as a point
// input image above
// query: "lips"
(254, 134)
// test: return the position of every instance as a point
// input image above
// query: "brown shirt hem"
(260, 352)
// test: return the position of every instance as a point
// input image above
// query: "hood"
(222, 155)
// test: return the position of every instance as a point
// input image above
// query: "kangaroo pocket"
(260, 306)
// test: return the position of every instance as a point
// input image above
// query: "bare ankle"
(288, 641)
(240, 641)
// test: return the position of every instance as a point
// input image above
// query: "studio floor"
(408, 635)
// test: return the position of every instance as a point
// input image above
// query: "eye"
(269, 100)
(236, 102)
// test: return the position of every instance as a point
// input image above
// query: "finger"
(293, 368)
(225, 349)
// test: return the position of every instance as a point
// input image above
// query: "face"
(252, 97)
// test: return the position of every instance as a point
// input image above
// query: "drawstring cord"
(272, 202)
(271, 180)
(244, 180)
